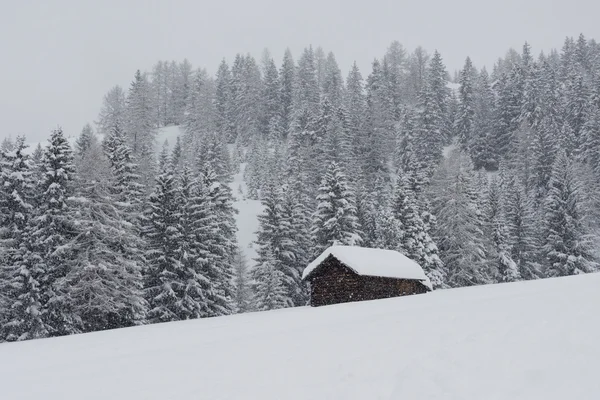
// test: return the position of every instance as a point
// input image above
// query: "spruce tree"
(105, 279)
(268, 287)
(287, 77)
(414, 240)
(466, 114)
(565, 249)
(140, 129)
(162, 234)
(458, 231)
(241, 281)
(334, 221)
(20, 297)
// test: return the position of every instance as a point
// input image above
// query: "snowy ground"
(529, 340)
(247, 217)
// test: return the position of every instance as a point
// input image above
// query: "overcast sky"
(59, 57)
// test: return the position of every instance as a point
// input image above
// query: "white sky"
(59, 57)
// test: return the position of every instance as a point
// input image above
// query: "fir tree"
(242, 292)
(466, 114)
(335, 221)
(287, 77)
(414, 240)
(459, 227)
(268, 288)
(105, 281)
(20, 297)
(162, 235)
(565, 248)
(139, 119)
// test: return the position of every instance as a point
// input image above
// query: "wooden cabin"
(348, 273)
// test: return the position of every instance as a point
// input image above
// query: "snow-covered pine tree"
(458, 230)
(193, 287)
(113, 111)
(521, 231)
(104, 283)
(85, 139)
(466, 112)
(501, 264)
(241, 282)
(20, 296)
(335, 221)
(332, 84)
(268, 287)
(355, 104)
(140, 129)
(48, 251)
(271, 96)
(275, 242)
(433, 130)
(287, 75)
(414, 240)
(566, 248)
(297, 210)
(162, 235)
(222, 242)
(225, 126)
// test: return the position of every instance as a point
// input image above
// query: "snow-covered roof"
(372, 262)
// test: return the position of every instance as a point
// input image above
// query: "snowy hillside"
(527, 340)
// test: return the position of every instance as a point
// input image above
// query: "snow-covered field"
(528, 340)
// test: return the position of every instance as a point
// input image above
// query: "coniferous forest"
(481, 177)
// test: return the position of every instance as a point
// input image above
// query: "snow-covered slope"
(529, 340)
(247, 217)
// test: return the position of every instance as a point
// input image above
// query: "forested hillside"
(494, 177)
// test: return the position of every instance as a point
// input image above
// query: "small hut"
(349, 273)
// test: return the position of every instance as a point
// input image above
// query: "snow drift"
(527, 340)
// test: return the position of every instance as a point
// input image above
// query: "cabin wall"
(335, 283)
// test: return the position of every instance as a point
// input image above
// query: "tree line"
(491, 178)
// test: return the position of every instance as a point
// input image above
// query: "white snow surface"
(247, 216)
(371, 262)
(526, 340)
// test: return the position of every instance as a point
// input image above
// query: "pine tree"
(521, 232)
(334, 221)
(482, 149)
(225, 126)
(223, 244)
(201, 115)
(333, 84)
(355, 105)
(433, 133)
(47, 252)
(543, 152)
(242, 291)
(268, 288)
(466, 114)
(104, 283)
(162, 235)
(414, 240)
(20, 296)
(113, 111)
(272, 107)
(85, 139)
(275, 241)
(565, 248)
(140, 129)
(500, 261)
(459, 227)
(287, 77)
